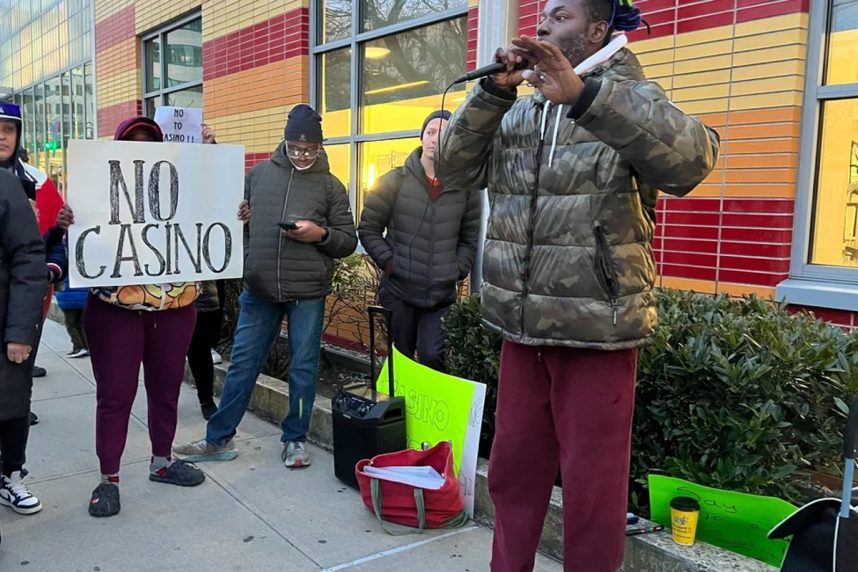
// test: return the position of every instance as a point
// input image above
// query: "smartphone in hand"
(291, 225)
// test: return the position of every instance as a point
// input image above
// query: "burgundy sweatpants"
(120, 340)
(572, 409)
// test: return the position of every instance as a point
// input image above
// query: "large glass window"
(55, 111)
(405, 74)
(834, 236)
(42, 38)
(381, 67)
(173, 66)
(825, 234)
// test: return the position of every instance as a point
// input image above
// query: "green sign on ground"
(737, 522)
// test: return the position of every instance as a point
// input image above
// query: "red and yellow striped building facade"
(738, 64)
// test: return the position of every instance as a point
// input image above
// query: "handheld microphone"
(488, 70)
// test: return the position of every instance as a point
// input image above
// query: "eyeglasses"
(296, 153)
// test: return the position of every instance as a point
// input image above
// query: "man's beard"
(574, 49)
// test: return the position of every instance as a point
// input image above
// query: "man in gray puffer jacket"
(300, 221)
(430, 242)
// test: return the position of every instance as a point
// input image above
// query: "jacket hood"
(140, 122)
(613, 61)
(12, 112)
(415, 167)
(623, 64)
(279, 158)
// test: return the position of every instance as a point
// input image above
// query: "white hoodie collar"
(615, 45)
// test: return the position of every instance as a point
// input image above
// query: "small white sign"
(180, 124)
(154, 213)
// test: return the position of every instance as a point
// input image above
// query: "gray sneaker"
(295, 455)
(202, 450)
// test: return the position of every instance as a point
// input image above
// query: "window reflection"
(339, 159)
(185, 53)
(152, 53)
(336, 20)
(178, 52)
(379, 157)
(843, 43)
(335, 105)
(89, 102)
(835, 229)
(401, 79)
(410, 70)
(192, 97)
(380, 13)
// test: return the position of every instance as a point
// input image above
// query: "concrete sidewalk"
(250, 514)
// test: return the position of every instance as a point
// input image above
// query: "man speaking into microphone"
(573, 174)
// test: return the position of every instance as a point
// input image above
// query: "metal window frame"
(161, 35)
(816, 95)
(816, 284)
(356, 41)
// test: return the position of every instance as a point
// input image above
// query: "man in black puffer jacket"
(287, 273)
(430, 242)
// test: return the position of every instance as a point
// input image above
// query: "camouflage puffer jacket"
(568, 258)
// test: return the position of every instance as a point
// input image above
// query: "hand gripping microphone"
(488, 70)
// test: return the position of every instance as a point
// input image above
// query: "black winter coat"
(23, 284)
(277, 268)
(428, 245)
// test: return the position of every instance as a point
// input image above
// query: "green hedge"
(738, 394)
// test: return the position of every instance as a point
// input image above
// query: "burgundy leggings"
(119, 341)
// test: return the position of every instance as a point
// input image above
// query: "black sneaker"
(34, 419)
(39, 371)
(105, 500)
(179, 473)
(208, 409)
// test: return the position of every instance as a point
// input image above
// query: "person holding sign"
(573, 174)
(300, 222)
(424, 237)
(22, 286)
(130, 326)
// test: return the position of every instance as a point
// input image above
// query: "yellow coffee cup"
(684, 514)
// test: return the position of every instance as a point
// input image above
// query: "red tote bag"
(411, 506)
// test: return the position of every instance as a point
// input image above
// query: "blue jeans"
(258, 327)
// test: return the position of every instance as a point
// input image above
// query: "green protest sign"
(738, 522)
(441, 407)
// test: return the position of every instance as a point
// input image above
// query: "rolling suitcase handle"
(850, 445)
(388, 318)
